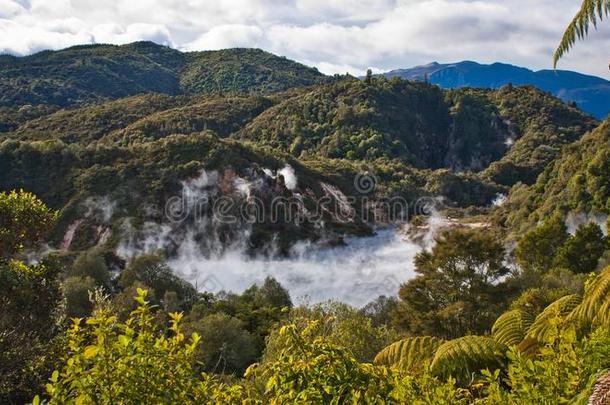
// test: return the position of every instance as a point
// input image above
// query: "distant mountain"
(591, 94)
(94, 73)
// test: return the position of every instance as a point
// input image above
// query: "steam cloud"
(355, 273)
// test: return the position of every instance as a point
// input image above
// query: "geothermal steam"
(355, 273)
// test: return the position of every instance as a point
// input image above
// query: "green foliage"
(381, 310)
(226, 346)
(575, 182)
(511, 327)
(93, 73)
(409, 354)
(581, 252)
(595, 305)
(29, 315)
(270, 294)
(540, 125)
(338, 324)
(90, 264)
(311, 370)
(24, 221)
(591, 11)
(151, 271)
(111, 362)
(546, 323)
(30, 298)
(463, 357)
(536, 251)
(458, 289)
(556, 376)
(77, 293)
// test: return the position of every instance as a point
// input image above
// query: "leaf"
(124, 340)
(589, 13)
(595, 305)
(410, 353)
(91, 351)
(510, 328)
(541, 327)
(464, 356)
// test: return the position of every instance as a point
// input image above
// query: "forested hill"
(592, 94)
(94, 73)
(520, 128)
(94, 121)
(577, 182)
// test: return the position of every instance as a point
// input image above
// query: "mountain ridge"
(591, 93)
(95, 73)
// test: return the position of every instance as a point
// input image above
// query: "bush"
(226, 347)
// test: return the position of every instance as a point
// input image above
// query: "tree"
(29, 302)
(536, 251)
(339, 324)
(110, 362)
(76, 291)
(272, 294)
(458, 289)
(312, 370)
(90, 264)
(226, 346)
(381, 310)
(369, 76)
(151, 271)
(581, 252)
(24, 221)
(590, 12)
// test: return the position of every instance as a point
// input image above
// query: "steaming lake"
(355, 274)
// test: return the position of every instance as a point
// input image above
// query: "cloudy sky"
(337, 36)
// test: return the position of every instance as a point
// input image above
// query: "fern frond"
(463, 357)
(541, 330)
(409, 354)
(595, 305)
(590, 12)
(542, 326)
(510, 328)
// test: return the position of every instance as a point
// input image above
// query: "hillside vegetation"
(139, 155)
(94, 73)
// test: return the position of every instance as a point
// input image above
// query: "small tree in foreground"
(109, 362)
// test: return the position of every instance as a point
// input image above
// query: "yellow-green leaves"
(135, 362)
(510, 328)
(24, 220)
(410, 353)
(90, 351)
(463, 357)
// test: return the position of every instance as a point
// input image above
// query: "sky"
(336, 36)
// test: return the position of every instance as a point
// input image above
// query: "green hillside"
(424, 126)
(578, 182)
(94, 73)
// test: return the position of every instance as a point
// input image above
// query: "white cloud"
(114, 33)
(228, 36)
(333, 35)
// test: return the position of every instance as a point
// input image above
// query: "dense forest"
(96, 140)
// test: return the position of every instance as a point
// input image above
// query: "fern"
(510, 328)
(590, 12)
(543, 326)
(595, 304)
(462, 357)
(409, 354)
